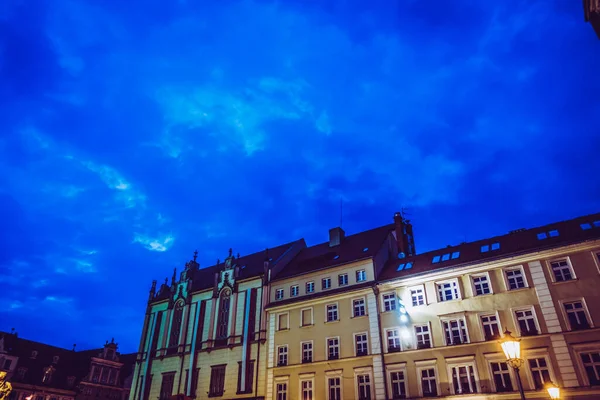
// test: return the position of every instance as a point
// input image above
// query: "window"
(561, 271)
(282, 355)
(393, 340)
(481, 285)
(515, 278)
(547, 234)
(7, 364)
(310, 287)
(447, 291)
(398, 384)
(307, 316)
(56, 358)
(334, 388)
(325, 283)
(361, 275)
(195, 374)
(307, 351)
(364, 386)
(294, 290)
(283, 321)
(455, 331)
(217, 380)
(540, 373)
(463, 378)
(176, 325)
(428, 382)
(407, 265)
(417, 296)
(306, 388)
(281, 391)
(591, 364)
(501, 376)
(248, 378)
(576, 315)
(445, 257)
(166, 387)
(491, 327)
(223, 322)
(279, 294)
(332, 312)
(389, 301)
(333, 348)
(526, 322)
(490, 247)
(423, 336)
(47, 377)
(342, 279)
(358, 307)
(361, 344)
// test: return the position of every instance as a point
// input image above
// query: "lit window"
(294, 290)
(279, 294)
(491, 327)
(428, 382)
(333, 348)
(447, 291)
(545, 235)
(463, 378)
(325, 283)
(446, 257)
(361, 275)
(417, 296)
(407, 265)
(332, 312)
(485, 248)
(455, 331)
(539, 371)
(591, 363)
(342, 280)
(515, 278)
(576, 315)
(496, 246)
(359, 308)
(436, 259)
(526, 322)
(310, 287)
(561, 270)
(364, 387)
(423, 336)
(393, 340)
(361, 344)
(585, 226)
(389, 302)
(307, 352)
(334, 388)
(501, 376)
(398, 383)
(282, 391)
(282, 355)
(481, 285)
(455, 255)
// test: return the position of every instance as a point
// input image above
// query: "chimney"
(404, 236)
(336, 236)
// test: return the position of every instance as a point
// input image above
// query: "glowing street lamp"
(553, 390)
(512, 350)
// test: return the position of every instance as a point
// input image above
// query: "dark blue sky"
(133, 134)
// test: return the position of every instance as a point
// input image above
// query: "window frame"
(292, 290)
(537, 353)
(210, 385)
(565, 314)
(386, 341)
(306, 378)
(489, 282)
(578, 350)
(358, 272)
(536, 321)
(427, 364)
(312, 352)
(306, 287)
(339, 348)
(334, 374)
(395, 298)
(443, 282)
(416, 287)
(569, 265)
(287, 315)
(312, 317)
(400, 367)
(355, 343)
(428, 324)
(505, 277)
(347, 280)
(499, 358)
(482, 329)
(364, 299)
(337, 312)
(279, 380)
(277, 291)
(327, 278)
(287, 355)
(455, 317)
(468, 361)
(364, 371)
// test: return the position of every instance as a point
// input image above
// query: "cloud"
(155, 244)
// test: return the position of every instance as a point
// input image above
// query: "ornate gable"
(227, 274)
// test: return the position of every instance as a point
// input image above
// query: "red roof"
(521, 241)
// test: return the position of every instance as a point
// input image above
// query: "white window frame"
(292, 290)
(579, 349)
(347, 280)
(537, 353)
(339, 347)
(565, 314)
(596, 257)
(517, 326)
(306, 378)
(277, 292)
(400, 367)
(387, 343)
(364, 299)
(428, 364)
(312, 351)
(312, 317)
(337, 311)
(487, 314)
(368, 371)
(485, 274)
(468, 361)
(507, 285)
(364, 273)
(417, 287)
(395, 301)
(569, 265)
(306, 287)
(499, 358)
(330, 283)
(287, 355)
(458, 291)
(278, 380)
(428, 324)
(354, 335)
(334, 374)
(287, 315)
(455, 317)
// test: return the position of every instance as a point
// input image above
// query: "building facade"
(591, 9)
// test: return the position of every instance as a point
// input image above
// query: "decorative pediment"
(226, 275)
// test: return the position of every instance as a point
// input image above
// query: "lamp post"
(512, 350)
(553, 390)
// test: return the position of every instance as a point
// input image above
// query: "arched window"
(223, 321)
(176, 325)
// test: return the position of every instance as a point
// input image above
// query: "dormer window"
(407, 265)
(34, 354)
(55, 359)
(445, 257)
(490, 247)
(545, 235)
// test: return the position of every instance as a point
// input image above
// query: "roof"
(352, 248)
(517, 242)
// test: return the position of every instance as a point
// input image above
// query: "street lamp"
(512, 350)
(553, 390)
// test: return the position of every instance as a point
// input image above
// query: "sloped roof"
(516, 242)
(352, 248)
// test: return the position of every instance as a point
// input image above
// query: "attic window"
(34, 354)
(365, 249)
(455, 255)
(545, 235)
(597, 224)
(436, 259)
(490, 247)
(585, 226)
(407, 265)
(445, 257)
(336, 257)
(55, 359)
